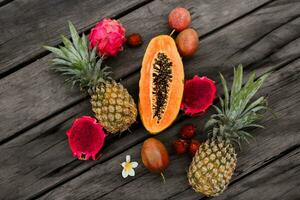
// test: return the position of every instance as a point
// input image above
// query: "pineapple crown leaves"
(236, 111)
(80, 63)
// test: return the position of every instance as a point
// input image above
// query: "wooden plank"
(105, 182)
(279, 180)
(35, 92)
(50, 174)
(188, 193)
(207, 17)
(41, 157)
(65, 158)
(283, 129)
(46, 29)
(258, 51)
(107, 177)
(27, 25)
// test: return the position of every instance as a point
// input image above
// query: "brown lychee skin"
(179, 19)
(187, 42)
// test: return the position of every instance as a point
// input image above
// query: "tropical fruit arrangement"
(163, 94)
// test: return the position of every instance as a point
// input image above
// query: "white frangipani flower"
(128, 167)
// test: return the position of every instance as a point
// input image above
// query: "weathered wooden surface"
(41, 83)
(279, 180)
(102, 182)
(268, 144)
(36, 161)
(27, 25)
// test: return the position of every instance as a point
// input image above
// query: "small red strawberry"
(187, 131)
(180, 146)
(194, 146)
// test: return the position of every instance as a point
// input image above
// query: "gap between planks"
(235, 20)
(4, 2)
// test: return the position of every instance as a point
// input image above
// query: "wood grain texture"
(104, 181)
(27, 25)
(35, 92)
(207, 17)
(105, 178)
(43, 172)
(279, 180)
(50, 174)
(270, 46)
(137, 135)
(41, 157)
(22, 29)
(281, 133)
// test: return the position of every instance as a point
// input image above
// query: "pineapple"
(112, 104)
(214, 163)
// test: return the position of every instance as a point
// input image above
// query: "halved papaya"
(161, 84)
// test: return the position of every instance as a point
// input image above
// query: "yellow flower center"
(128, 166)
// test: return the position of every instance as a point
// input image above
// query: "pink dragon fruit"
(86, 138)
(108, 36)
(199, 93)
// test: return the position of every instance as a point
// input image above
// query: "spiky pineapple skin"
(113, 107)
(212, 167)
